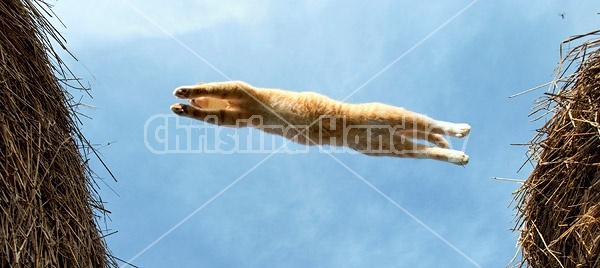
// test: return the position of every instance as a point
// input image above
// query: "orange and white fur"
(309, 118)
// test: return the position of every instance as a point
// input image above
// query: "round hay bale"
(559, 204)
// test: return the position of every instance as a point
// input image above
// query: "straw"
(559, 204)
(49, 207)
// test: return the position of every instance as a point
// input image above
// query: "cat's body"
(311, 118)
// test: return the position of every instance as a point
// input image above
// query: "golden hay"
(559, 204)
(48, 206)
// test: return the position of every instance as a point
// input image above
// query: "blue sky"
(312, 209)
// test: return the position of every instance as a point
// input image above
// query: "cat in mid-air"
(309, 118)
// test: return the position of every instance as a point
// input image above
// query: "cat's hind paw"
(461, 130)
(458, 158)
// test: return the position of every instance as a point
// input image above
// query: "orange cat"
(309, 118)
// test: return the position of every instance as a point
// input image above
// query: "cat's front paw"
(183, 92)
(458, 158)
(179, 109)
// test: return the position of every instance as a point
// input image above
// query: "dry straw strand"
(49, 208)
(559, 204)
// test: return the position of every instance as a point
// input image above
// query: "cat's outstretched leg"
(221, 117)
(452, 156)
(436, 153)
(221, 90)
(412, 121)
(427, 125)
(457, 130)
(209, 103)
(214, 103)
(403, 147)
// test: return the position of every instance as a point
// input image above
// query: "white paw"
(458, 158)
(461, 130)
